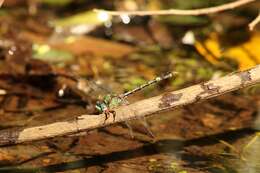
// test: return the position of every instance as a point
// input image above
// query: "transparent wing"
(94, 88)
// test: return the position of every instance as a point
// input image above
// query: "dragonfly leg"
(114, 114)
(130, 129)
(106, 116)
(147, 128)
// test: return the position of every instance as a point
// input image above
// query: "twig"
(1, 2)
(194, 12)
(254, 23)
(2, 92)
(138, 109)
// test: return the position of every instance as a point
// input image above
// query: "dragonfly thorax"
(109, 102)
(101, 106)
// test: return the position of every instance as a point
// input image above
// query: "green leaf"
(88, 17)
(45, 53)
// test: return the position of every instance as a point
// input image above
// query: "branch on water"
(138, 109)
(254, 22)
(194, 12)
(1, 2)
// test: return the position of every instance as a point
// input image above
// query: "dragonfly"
(111, 101)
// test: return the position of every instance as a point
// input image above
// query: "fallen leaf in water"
(45, 53)
(133, 34)
(46, 161)
(87, 18)
(6, 158)
(84, 45)
(11, 3)
(246, 54)
(211, 121)
(161, 34)
(17, 57)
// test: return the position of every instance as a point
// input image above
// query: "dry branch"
(254, 22)
(141, 108)
(1, 2)
(194, 12)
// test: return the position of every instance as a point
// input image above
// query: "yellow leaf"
(246, 54)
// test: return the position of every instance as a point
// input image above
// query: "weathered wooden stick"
(141, 108)
(254, 22)
(193, 12)
(1, 2)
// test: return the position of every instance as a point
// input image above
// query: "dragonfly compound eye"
(99, 106)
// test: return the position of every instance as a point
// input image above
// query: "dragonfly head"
(101, 106)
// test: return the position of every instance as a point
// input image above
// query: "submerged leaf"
(45, 53)
(87, 18)
(246, 54)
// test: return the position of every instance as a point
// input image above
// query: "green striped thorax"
(109, 102)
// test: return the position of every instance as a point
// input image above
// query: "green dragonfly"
(111, 101)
